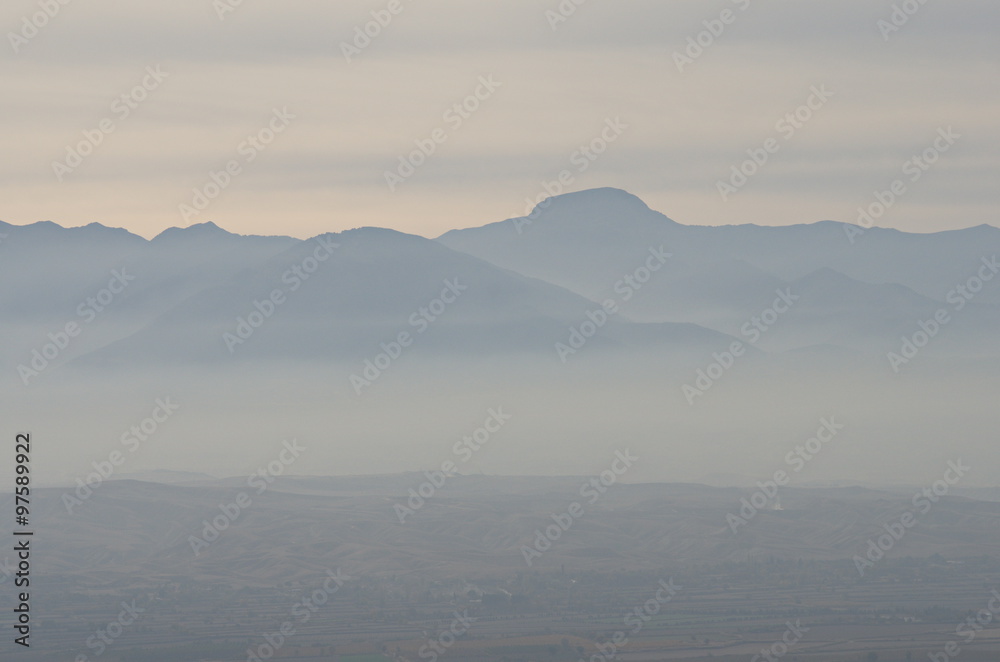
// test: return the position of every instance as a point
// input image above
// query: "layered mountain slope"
(863, 294)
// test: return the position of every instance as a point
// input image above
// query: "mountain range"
(629, 325)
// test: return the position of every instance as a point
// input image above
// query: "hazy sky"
(560, 82)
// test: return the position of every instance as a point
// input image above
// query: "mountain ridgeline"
(630, 327)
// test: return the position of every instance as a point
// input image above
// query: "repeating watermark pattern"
(899, 17)
(699, 43)
(752, 330)
(300, 614)
(460, 625)
(635, 620)
(248, 150)
(592, 491)
(464, 450)
(230, 513)
(121, 108)
(563, 12)
(959, 296)
(60, 340)
(912, 169)
(366, 34)
(581, 159)
(923, 501)
(766, 494)
(132, 439)
(421, 320)
(293, 277)
(105, 637)
(786, 128)
(968, 630)
(626, 288)
(33, 24)
(456, 116)
(225, 7)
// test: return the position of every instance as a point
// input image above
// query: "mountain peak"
(592, 202)
(196, 231)
(53, 232)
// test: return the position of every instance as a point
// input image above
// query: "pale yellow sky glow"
(346, 123)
